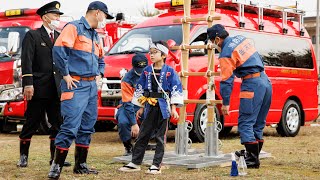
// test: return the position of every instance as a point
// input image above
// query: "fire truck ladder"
(285, 13)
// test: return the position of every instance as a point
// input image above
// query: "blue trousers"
(124, 123)
(79, 111)
(255, 100)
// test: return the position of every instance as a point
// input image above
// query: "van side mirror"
(197, 52)
(3, 50)
(13, 42)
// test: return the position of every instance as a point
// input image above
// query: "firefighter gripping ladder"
(211, 132)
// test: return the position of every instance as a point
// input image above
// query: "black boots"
(252, 155)
(56, 167)
(128, 148)
(24, 152)
(80, 166)
(52, 151)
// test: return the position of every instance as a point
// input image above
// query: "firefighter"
(40, 80)
(78, 55)
(127, 123)
(238, 57)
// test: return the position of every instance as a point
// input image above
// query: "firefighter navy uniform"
(78, 53)
(238, 57)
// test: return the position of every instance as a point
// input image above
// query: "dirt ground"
(293, 158)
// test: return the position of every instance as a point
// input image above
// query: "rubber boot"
(58, 162)
(128, 148)
(252, 155)
(52, 152)
(81, 166)
(24, 153)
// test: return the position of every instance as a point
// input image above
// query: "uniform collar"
(85, 22)
(48, 30)
(226, 40)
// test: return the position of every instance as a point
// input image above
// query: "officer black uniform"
(39, 72)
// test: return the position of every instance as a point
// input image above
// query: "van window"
(4, 33)
(137, 40)
(282, 51)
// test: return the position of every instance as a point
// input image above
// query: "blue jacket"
(128, 85)
(78, 50)
(239, 58)
(170, 82)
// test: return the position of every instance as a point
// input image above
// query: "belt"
(154, 94)
(249, 76)
(84, 78)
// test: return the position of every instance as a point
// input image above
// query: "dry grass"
(294, 158)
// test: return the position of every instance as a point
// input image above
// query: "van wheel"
(200, 123)
(290, 120)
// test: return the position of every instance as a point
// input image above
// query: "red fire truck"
(278, 35)
(13, 26)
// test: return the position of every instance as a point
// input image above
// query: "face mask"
(102, 24)
(54, 24)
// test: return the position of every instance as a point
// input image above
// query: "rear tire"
(291, 119)
(199, 123)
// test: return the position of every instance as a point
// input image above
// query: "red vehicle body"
(12, 105)
(288, 57)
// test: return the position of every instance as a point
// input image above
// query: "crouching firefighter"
(126, 114)
(238, 57)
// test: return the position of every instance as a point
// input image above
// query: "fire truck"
(278, 35)
(14, 24)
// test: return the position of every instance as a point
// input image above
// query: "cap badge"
(57, 6)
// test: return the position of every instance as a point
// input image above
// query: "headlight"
(11, 94)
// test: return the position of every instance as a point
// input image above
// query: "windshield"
(5, 53)
(137, 40)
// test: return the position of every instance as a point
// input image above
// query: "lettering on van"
(296, 72)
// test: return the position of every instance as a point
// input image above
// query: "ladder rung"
(201, 101)
(208, 19)
(199, 74)
(182, 47)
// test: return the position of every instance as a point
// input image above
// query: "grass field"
(293, 158)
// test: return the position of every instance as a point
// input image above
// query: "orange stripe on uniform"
(227, 65)
(126, 92)
(67, 37)
(243, 52)
(83, 44)
(246, 94)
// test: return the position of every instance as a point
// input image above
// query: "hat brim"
(109, 16)
(55, 11)
(138, 70)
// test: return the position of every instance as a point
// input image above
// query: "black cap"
(98, 5)
(215, 30)
(52, 7)
(139, 62)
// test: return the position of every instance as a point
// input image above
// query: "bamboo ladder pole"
(181, 147)
(211, 132)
